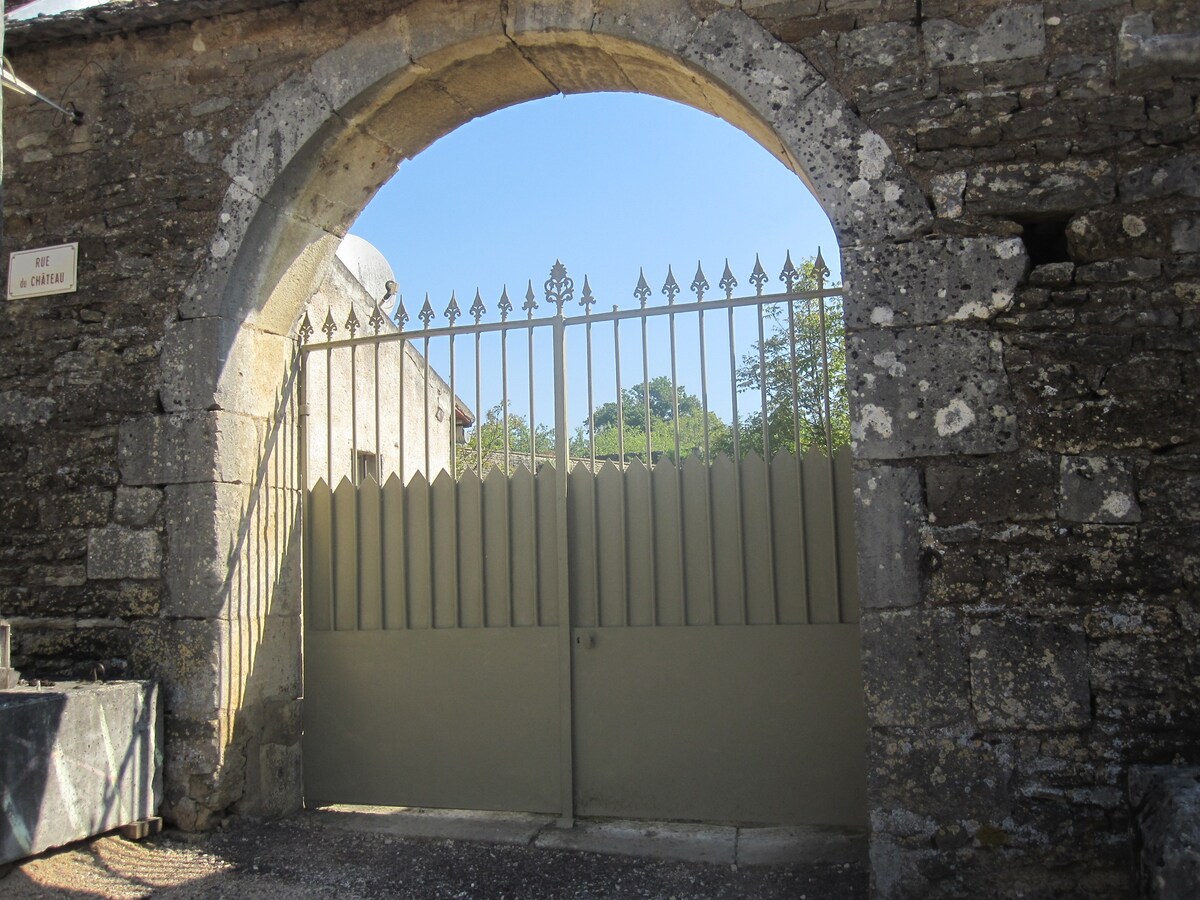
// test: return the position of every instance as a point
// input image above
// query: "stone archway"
(307, 161)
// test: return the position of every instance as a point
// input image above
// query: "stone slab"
(75, 761)
(800, 845)
(1166, 801)
(655, 840)
(442, 824)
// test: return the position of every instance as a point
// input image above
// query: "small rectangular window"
(367, 467)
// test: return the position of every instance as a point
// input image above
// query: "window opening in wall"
(367, 466)
(1046, 241)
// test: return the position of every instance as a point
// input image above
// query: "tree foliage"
(490, 433)
(800, 409)
(603, 423)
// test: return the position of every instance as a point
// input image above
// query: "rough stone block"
(915, 668)
(928, 392)
(931, 281)
(1007, 34)
(217, 363)
(1166, 803)
(1029, 675)
(1103, 234)
(188, 447)
(116, 552)
(136, 507)
(1034, 189)
(1098, 489)
(888, 513)
(1177, 176)
(999, 490)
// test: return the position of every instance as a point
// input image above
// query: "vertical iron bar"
(453, 416)
(762, 385)
(532, 415)
(504, 395)
(646, 391)
(704, 390)
(566, 784)
(537, 550)
(620, 398)
(329, 416)
(478, 407)
(354, 479)
(379, 479)
(591, 398)
(428, 417)
(674, 387)
(792, 368)
(400, 392)
(825, 368)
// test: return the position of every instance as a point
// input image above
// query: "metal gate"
(524, 624)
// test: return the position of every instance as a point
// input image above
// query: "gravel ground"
(302, 857)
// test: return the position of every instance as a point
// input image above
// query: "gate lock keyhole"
(587, 641)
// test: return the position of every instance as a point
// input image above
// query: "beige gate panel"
(697, 542)
(726, 724)
(668, 545)
(791, 564)
(452, 718)
(820, 539)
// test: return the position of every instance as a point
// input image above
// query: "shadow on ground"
(307, 855)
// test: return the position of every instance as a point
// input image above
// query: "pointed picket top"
(758, 277)
(306, 329)
(470, 479)
(789, 275)
(670, 287)
(699, 283)
(560, 287)
(377, 319)
(727, 282)
(393, 484)
(477, 308)
(586, 299)
(642, 291)
(530, 303)
(452, 311)
(505, 305)
(329, 326)
(820, 269)
(426, 314)
(401, 316)
(352, 324)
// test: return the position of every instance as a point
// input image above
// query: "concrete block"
(75, 761)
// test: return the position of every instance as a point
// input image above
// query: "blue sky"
(605, 182)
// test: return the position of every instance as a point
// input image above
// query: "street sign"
(41, 272)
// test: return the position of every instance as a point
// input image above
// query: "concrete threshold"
(677, 841)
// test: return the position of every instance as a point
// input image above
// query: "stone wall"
(1023, 355)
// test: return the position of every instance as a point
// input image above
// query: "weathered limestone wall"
(1015, 190)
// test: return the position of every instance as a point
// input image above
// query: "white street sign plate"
(39, 273)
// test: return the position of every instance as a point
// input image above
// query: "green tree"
(604, 421)
(804, 409)
(490, 433)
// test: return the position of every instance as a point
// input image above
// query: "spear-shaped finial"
(426, 314)
(789, 275)
(727, 282)
(505, 306)
(477, 308)
(530, 303)
(642, 291)
(586, 299)
(758, 277)
(306, 329)
(452, 311)
(670, 287)
(699, 283)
